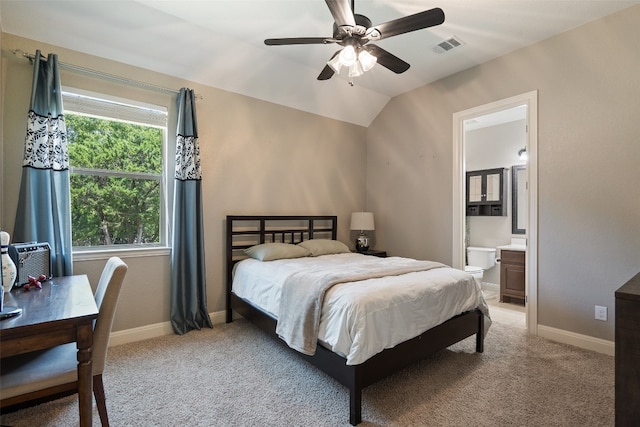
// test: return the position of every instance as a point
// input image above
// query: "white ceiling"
(219, 43)
(499, 117)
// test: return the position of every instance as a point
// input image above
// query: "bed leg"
(355, 406)
(480, 334)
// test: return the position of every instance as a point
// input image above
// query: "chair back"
(106, 295)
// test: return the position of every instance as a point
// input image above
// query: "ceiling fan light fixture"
(363, 62)
(356, 70)
(335, 64)
(366, 60)
(348, 56)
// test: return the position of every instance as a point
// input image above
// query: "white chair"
(50, 374)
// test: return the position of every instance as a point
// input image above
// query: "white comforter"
(360, 319)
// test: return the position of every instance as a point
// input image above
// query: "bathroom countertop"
(521, 248)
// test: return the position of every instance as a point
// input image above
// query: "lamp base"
(362, 243)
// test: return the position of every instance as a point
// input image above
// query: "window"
(117, 172)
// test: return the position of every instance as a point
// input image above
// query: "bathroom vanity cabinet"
(512, 275)
(487, 192)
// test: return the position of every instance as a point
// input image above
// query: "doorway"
(529, 100)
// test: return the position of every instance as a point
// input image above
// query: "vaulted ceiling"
(220, 43)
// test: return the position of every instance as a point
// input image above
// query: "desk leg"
(85, 374)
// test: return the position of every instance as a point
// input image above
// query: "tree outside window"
(116, 180)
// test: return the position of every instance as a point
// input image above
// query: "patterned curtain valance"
(188, 158)
(187, 147)
(46, 142)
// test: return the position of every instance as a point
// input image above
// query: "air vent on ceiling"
(447, 45)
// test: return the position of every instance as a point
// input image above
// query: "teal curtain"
(44, 201)
(188, 275)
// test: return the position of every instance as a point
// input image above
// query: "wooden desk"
(61, 312)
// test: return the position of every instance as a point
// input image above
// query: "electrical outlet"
(601, 313)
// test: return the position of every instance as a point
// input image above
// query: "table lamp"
(362, 221)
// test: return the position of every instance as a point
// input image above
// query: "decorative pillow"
(273, 251)
(319, 247)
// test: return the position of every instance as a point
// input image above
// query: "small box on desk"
(31, 259)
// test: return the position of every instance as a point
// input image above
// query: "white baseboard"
(578, 340)
(153, 331)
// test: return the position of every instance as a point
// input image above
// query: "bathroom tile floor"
(501, 312)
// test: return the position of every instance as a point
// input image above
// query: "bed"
(374, 357)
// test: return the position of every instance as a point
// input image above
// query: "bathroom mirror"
(519, 199)
(493, 187)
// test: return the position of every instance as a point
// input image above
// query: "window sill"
(128, 252)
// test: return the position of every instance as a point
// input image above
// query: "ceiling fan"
(354, 32)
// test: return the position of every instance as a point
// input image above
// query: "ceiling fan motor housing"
(362, 24)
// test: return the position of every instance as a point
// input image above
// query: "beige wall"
(589, 152)
(257, 158)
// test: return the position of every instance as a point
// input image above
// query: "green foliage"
(106, 207)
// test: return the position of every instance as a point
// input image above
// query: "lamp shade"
(348, 56)
(362, 221)
(367, 60)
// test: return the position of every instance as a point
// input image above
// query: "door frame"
(530, 99)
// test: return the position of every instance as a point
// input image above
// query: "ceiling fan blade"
(418, 21)
(341, 12)
(386, 59)
(327, 72)
(298, 40)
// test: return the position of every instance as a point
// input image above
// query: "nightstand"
(374, 252)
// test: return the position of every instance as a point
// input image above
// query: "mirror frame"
(514, 199)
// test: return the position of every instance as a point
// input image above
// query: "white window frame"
(123, 111)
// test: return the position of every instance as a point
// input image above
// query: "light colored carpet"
(235, 375)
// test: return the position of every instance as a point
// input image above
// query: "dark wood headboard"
(244, 231)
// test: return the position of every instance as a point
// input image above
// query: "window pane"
(112, 210)
(116, 174)
(113, 145)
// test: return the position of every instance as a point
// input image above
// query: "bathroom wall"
(488, 148)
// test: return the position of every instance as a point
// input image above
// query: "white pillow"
(273, 251)
(319, 247)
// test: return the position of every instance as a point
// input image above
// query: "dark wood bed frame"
(246, 231)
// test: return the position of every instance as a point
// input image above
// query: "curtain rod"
(102, 75)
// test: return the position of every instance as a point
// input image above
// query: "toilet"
(479, 259)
